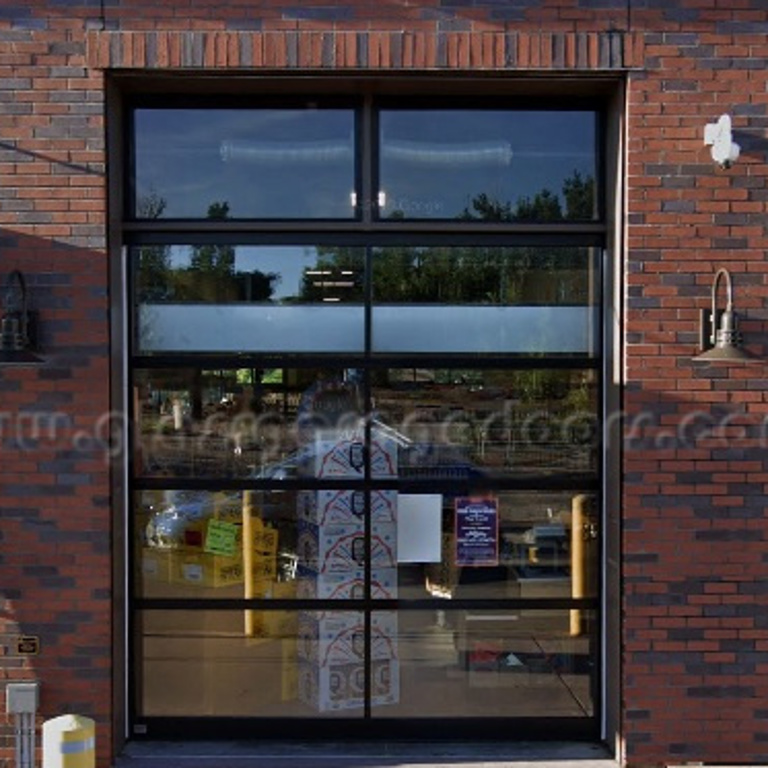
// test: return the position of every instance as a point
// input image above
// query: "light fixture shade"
(727, 353)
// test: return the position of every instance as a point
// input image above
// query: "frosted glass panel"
(524, 330)
(248, 328)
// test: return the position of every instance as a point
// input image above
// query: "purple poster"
(477, 532)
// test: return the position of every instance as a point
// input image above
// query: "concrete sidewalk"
(363, 755)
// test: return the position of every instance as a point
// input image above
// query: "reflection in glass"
(474, 664)
(524, 300)
(498, 276)
(279, 274)
(201, 663)
(497, 423)
(488, 165)
(259, 163)
(249, 298)
(243, 422)
(444, 422)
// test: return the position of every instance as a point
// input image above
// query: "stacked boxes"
(331, 549)
(331, 649)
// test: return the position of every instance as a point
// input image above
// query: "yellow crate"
(265, 541)
(264, 567)
(207, 570)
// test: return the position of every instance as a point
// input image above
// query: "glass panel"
(289, 664)
(464, 423)
(193, 422)
(473, 664)
(488, 165)
(225, 298)
(244, 163)
(525, 300)
(513, 544)
(206, 544)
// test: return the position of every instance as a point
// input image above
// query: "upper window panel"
(487, 165)
(244, 164)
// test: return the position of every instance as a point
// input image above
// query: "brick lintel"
(386, 50)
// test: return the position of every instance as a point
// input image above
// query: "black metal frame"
(365, 230)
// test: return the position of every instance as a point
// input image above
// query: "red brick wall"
(55, 548)
(696, 629)
(695, 674)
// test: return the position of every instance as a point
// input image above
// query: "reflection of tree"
(578, 193)
(210, 275)
(154, 261)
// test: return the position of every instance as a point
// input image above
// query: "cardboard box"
(328, 507)
(265, 540)
(347, 585)
(330, 639)
(228, 507)
(342, 686)
(341, 454)
(156, 564)
(264, 567)
(341, 546)
(207, 570)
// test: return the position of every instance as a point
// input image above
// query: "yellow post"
(250, 615)
(578, 551)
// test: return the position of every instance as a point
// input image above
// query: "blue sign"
(477, 532)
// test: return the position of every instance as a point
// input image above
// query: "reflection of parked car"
(416, 461)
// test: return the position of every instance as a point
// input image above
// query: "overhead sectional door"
(365, 389)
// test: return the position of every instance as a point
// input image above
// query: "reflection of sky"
(179, 158)
(546, 148)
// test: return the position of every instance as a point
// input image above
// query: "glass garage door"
(366, 440)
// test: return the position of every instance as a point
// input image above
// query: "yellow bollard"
(69, 741)
(578, 552)
(247, 541)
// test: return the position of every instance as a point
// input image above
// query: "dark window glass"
(243, 164)
(488, 165)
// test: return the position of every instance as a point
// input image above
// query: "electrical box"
(21, 698)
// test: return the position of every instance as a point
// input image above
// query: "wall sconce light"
(719, 337)
(719, 136)
(18, 325)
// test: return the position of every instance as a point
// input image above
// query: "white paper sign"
(419, 522)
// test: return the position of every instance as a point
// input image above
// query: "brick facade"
(694, 567)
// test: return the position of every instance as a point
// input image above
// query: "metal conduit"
(24, 732)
